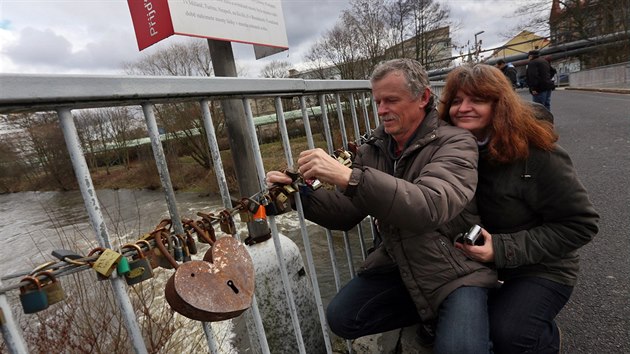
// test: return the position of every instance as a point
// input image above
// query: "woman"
(534, 210)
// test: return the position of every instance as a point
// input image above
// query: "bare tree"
(191, 58)
(183, 120)
(399, 12)
(369, 28)
(427, 17)
(276, 69)
(43, 146)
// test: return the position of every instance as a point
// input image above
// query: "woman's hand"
(484, 253)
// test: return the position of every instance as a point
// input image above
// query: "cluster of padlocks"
(218, 287)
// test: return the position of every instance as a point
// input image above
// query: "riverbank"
(186, 175)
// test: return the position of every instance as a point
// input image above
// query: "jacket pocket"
(449, 253)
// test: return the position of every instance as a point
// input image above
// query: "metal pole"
(307, 243)
(169, 193)
(227, 203)
(98, 224)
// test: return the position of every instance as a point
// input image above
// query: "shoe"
(425, 334)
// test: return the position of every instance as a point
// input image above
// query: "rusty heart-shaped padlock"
(218, 288)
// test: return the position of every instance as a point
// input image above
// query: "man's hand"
(534, 92)
(316, 163)
(277, 177)
(484, 253)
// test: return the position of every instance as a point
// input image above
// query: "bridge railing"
(66, 94)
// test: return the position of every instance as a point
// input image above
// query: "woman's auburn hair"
(514, 126)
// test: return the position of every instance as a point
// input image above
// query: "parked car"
(563, 79)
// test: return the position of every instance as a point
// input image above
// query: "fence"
(65, 94)
(610, 76)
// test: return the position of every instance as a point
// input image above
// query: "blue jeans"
(544, 98)
(522, 313)
(380, 303)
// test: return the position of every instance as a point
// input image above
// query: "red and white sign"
(259, 22)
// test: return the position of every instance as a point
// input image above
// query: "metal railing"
(66, 93)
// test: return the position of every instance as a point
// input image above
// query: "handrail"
(30, 93)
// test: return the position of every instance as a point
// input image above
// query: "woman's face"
(472, 113)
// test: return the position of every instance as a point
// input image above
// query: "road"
(595, 128)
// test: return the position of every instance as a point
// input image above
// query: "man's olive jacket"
(419, 200)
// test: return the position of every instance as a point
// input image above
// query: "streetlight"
(477, 46)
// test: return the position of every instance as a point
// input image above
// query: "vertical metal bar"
(98, 224)
(311, 145)
(11, 332)
(357, 139)
(327, 132)
(342, 123)
(375, 113)
(344, 140)
(227, 203)
(169, 194)
(215, 153)
(260, 169)
(279, 253)
(307, 124)
(329, 144)
(355, 120)
(274, 233)
(307, 243)
(365, 113)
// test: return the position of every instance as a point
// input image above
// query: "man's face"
(400, 113)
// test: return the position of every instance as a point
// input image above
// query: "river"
(32, 224)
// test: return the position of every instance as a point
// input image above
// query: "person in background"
(539, 79)
(535, 212)
(417, 176)
(508, 70)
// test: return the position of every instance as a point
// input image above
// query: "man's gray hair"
(414, 73)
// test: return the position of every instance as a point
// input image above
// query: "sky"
(97, 36)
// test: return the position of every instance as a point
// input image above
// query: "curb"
(597, 89)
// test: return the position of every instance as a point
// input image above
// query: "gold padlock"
(106, 262)
(52, 288)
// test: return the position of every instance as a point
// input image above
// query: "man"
(539, 79)
(508, 70)
(415, 175)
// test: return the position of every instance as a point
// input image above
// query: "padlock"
(33, 298)
(217, 291)
(150, 255)
(288, 188)
(190, 243)
(167, 256)
(186, 252)
(163, 252)
(122, 267)
(279, 202)
(178, 248)
(261, 214)
(226, 222)
(106, 261)
(243, 212)
(140, 268)
(52, 288)
(204, 235)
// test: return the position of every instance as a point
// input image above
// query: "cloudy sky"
(97, 36)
